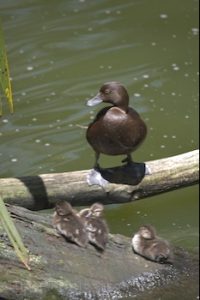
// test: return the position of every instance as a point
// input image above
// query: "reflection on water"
(61, 52)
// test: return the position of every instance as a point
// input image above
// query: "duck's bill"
(94, 101)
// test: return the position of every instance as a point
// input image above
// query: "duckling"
(69, 224)
(146, 243)
(96, 226)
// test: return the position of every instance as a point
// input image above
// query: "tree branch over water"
(126, 184)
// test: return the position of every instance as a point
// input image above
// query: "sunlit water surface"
(60, 52)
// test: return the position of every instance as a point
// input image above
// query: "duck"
(146, 243)
(117, 129)
(68, 224)
(96, 226)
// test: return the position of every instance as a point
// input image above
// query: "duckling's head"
(147, 232)
(63, 208)
(111, 92)
(96, 209)
(84, 213)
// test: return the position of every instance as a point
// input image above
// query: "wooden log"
(61, 270)
(125, 183)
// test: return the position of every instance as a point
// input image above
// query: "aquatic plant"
(5, 218)
(5, 84)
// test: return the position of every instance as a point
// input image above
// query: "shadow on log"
(42, 191)
(131, 174)
(62, 270)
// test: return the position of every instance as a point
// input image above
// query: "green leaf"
(13, 234)
(5, 84)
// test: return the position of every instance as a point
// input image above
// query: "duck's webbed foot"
(94, 177)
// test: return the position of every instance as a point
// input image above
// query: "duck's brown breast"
(116, 132)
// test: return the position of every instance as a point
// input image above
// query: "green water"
(60, 52)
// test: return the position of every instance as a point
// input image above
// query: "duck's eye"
(107, 91)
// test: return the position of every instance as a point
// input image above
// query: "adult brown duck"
(117, 129)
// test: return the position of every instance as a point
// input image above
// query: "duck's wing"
(73, 229)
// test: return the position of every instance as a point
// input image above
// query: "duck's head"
(111, 92)
(63, 208)
(96, 209)
(147, 232)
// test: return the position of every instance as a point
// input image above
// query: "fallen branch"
(126, 183)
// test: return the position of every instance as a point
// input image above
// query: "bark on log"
(125, 183)
(62, 270)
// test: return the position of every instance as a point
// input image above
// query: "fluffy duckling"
(69, 224)
(146, 243)
(96, 226)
